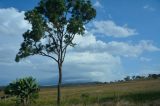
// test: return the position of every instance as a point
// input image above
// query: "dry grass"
(133, 93)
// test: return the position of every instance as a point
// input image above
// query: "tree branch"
(72, 37)
(43, 54)
(65, 47)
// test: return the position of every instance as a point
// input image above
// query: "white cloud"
(131, 50)
(91, 44)
(109, 28)
(92, 58)
(97, 4)
(149, 8)
(93, 66)
(12, 22)
(101, 61)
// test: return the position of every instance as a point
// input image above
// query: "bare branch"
(65, 48)
(44, 54)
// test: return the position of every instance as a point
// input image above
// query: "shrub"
(25, 89)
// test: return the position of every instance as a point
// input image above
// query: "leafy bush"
(25, 89)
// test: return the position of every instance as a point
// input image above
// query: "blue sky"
(124, 39)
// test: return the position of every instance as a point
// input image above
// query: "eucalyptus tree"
(25, 90)
(55, 23)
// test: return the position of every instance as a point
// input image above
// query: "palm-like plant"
(25, 90)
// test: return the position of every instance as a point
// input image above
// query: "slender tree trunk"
(59, 85)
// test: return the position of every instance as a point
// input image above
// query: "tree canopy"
(54, 26)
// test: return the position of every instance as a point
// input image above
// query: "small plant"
(85, 98)
(116, 98)
(25, 89)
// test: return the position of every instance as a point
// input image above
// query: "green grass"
(133, 93)
(142, 96)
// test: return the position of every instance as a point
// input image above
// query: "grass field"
(132, 93)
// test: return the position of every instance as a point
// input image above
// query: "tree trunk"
(59, 85)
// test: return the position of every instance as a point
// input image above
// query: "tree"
(55, 23)
(154, 76)
(25, 90)
(127, 78)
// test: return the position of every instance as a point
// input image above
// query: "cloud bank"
(12, 22)
(110, 28)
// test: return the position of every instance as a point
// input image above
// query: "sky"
(123, 39)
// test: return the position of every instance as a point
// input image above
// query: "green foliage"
(127, 78)
(56, 22)
(142, 96)
(25, 89)
(154, 76)
(149, 76)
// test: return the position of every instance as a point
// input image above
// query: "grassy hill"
(131, 93)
